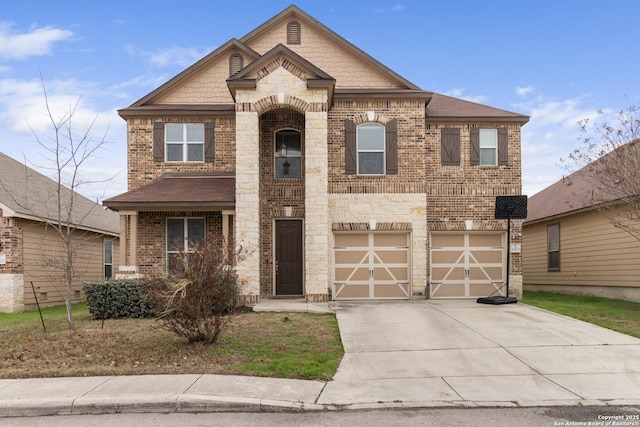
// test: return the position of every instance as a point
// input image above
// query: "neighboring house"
(31, 251)
(344, 179)
(570, 242)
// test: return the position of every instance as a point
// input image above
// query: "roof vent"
(293, 32)
(235, 63)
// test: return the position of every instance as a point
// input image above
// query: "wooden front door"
(289, 255)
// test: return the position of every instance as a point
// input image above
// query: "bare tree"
(63, 210)
(610, 160)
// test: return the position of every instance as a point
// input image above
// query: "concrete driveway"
(467, 354)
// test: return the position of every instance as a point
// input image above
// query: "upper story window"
(288, 154)
(553, 247)
(236, 63)
(488, 147)
(293, 32)
(184, 142)
(371, 149)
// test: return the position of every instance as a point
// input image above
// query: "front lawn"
(286, 345)
(619, 315)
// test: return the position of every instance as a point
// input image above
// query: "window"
(553, 247)
(288, 154)
(184, 142)
(183, 235)
(371, 149)
(108, 259)
(488, 147)
(293, 32)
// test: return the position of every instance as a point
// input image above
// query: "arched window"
(371, 149)
(293, 32)
(288, 154)
(235, 63)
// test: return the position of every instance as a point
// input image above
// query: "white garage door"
(467, 265)
(371, 265)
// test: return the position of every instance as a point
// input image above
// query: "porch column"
(128, 245)
(247, 219)
(317, 226)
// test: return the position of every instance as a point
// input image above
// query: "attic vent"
(293, 32)
(235, 63)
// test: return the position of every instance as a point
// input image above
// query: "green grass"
(618, 315)
(54, 314)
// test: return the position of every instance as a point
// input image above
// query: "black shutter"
(350, 149)
(450, 146)
(474, 134)
(391, 147)
(503, 146)
(209, 147)
(158, 141)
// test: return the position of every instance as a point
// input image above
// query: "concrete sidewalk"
(404, 354)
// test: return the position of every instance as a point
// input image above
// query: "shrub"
(117, 299)
(196, 301)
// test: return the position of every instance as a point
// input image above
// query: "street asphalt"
(410, 354)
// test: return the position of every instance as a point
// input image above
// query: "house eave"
(171, 110)
(170, 206)
(479, 119)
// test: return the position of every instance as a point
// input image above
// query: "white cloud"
(551, 134)
(171, 56)
(35, 42)
(522, 91)
(459, 93)
(25, 120)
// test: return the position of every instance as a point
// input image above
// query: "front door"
(288, 257)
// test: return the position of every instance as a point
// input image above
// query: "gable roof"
(25, 193)
(443, 107)
(142, 107)
(576, 192)
(316, 76)
(294, 12)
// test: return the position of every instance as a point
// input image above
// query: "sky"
(557, 61)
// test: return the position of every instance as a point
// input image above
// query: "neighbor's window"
(183, 235)
(489, 147)
(108, 259)
(553, 247)
(288, 154)
(184, 142)
(371, 144)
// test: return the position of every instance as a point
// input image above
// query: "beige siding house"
(346, 180)
(570, 246)
(31, 250)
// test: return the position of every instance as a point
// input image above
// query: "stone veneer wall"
(281, 85)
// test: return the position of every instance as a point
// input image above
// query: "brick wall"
(11, 238)
(141, 166)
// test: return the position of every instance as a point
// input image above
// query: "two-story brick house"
(346, 180)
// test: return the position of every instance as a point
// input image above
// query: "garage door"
(371, 265)
(467, 265)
